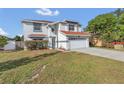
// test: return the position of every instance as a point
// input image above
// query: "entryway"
(53, 42)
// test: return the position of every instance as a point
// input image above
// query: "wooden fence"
(19, 44)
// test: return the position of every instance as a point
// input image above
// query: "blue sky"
(10, 19)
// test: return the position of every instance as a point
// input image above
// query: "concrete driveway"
(111, 54)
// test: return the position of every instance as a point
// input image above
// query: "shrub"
(36, 44)
(3, 41)
(108, 45)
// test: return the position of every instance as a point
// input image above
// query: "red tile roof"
(37, 35)
(76, 33)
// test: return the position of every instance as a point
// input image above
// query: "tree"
(19, 38)
(118, 12)
(108, 27)
(120, 27)
(102, 26)
(3, 41)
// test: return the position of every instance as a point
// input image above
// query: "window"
(52, 29)
(56, 27)
(37, 27)
(71, 27)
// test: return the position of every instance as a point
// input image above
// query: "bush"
(108, 45)
(37, 44)
(3, 41)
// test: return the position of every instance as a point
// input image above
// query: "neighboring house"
(10, 45)
(66, 34)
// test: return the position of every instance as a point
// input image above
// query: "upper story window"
(37, 27)
(71, 27)
(52, 29)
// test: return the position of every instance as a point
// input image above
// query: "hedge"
(36, 44)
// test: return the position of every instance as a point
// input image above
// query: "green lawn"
(50, 66)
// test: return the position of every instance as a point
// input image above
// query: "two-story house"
(65, 34)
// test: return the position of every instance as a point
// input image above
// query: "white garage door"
(75, 44)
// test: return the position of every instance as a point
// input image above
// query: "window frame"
(71, 27)
(37, 27)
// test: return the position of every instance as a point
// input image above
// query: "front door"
(53, 42)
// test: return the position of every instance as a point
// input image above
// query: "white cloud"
(47, 12)
(2, 32)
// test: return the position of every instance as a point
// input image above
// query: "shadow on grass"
(4, 66)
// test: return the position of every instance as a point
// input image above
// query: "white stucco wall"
(10, 46)
(77, 28)
(62, 41)
(65, 27)
(87, 40)
(28, 29)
